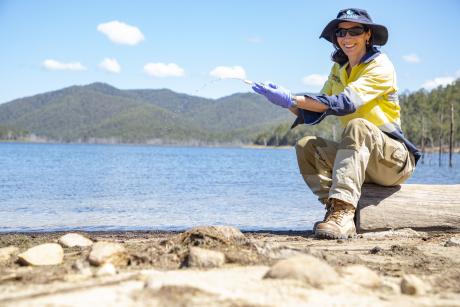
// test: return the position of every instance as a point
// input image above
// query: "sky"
(187, 45)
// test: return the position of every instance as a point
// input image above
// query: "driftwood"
(418, 206)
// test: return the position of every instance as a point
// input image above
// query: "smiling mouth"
(349, 46)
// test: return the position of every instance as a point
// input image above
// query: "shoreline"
(431, 150)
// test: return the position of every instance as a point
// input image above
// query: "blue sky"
(183, 45)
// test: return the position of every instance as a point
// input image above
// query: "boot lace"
(337, 213)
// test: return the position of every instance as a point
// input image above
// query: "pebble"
(74, 239)
(375, 250)
(362, 275)
(107, 252)
(43, 254)
(305, 268)
(412, 285)
(107, 269)
(204, 258)
(82, 268)
(7, 252)
(453, 241)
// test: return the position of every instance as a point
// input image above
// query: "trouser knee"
(305, 145)
(305, 151)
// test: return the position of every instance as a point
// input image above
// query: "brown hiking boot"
(328, 205)
(339, 224)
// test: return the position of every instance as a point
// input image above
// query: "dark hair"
(339, 56)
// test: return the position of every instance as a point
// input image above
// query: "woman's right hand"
(277, 95)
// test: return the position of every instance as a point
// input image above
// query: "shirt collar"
(370, 55)
(367, 57)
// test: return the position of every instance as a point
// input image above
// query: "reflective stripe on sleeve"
(353, 96)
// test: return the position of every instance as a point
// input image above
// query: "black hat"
(379, 32)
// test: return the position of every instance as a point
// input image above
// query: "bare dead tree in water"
(451, 132)
(440, 136)
(423, 138)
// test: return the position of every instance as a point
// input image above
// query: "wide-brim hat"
(379, 32)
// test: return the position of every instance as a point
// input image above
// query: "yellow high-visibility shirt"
(369, 92)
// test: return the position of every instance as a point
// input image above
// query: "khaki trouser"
(365, 155)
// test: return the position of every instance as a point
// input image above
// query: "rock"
(74, 239)
(398, 233)
(44, 254)
(204, 258)
(205, 234)
(362, 275)
(7, 252)
(107, 269)
(107, 252)
(306, 268)
(82, 268)
(375, 250)
(412, 285)
(453, 241)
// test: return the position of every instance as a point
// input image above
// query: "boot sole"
(324, 234)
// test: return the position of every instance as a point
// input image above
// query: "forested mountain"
(99, 112)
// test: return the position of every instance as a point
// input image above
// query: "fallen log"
(417, 206)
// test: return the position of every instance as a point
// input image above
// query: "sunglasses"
(355, 31)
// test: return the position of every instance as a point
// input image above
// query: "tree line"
(428, 120)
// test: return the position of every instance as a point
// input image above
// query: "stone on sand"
(205, 258)
(202, 234)
(453, 241)
(43, 254)
(305, 268)
(413, 285)
(107, 252)
(7, 252)
(107, 269)
(74, 239)
(361, 275)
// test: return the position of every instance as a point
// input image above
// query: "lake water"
(45, 187)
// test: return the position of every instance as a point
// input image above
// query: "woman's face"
(353, 46)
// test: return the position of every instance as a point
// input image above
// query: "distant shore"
(445, 149)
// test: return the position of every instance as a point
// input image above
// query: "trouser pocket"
(395, 155)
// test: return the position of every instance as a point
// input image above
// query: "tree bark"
(440, 137)
(451, 133)
(417, 206)
(423, 140)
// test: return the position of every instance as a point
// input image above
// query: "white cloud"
(121, 33)
(110, 65)
(51, 64)
(228, 72)
(314, 80)
(411, 58)
(440, 81)
(163, 70)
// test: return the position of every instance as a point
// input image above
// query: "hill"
(99, 112)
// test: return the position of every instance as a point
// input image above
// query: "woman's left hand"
(275, 94)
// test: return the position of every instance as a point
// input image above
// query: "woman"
(362, 91)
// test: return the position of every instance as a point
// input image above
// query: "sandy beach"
(210, 266)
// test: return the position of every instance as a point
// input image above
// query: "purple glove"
(277, 95)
